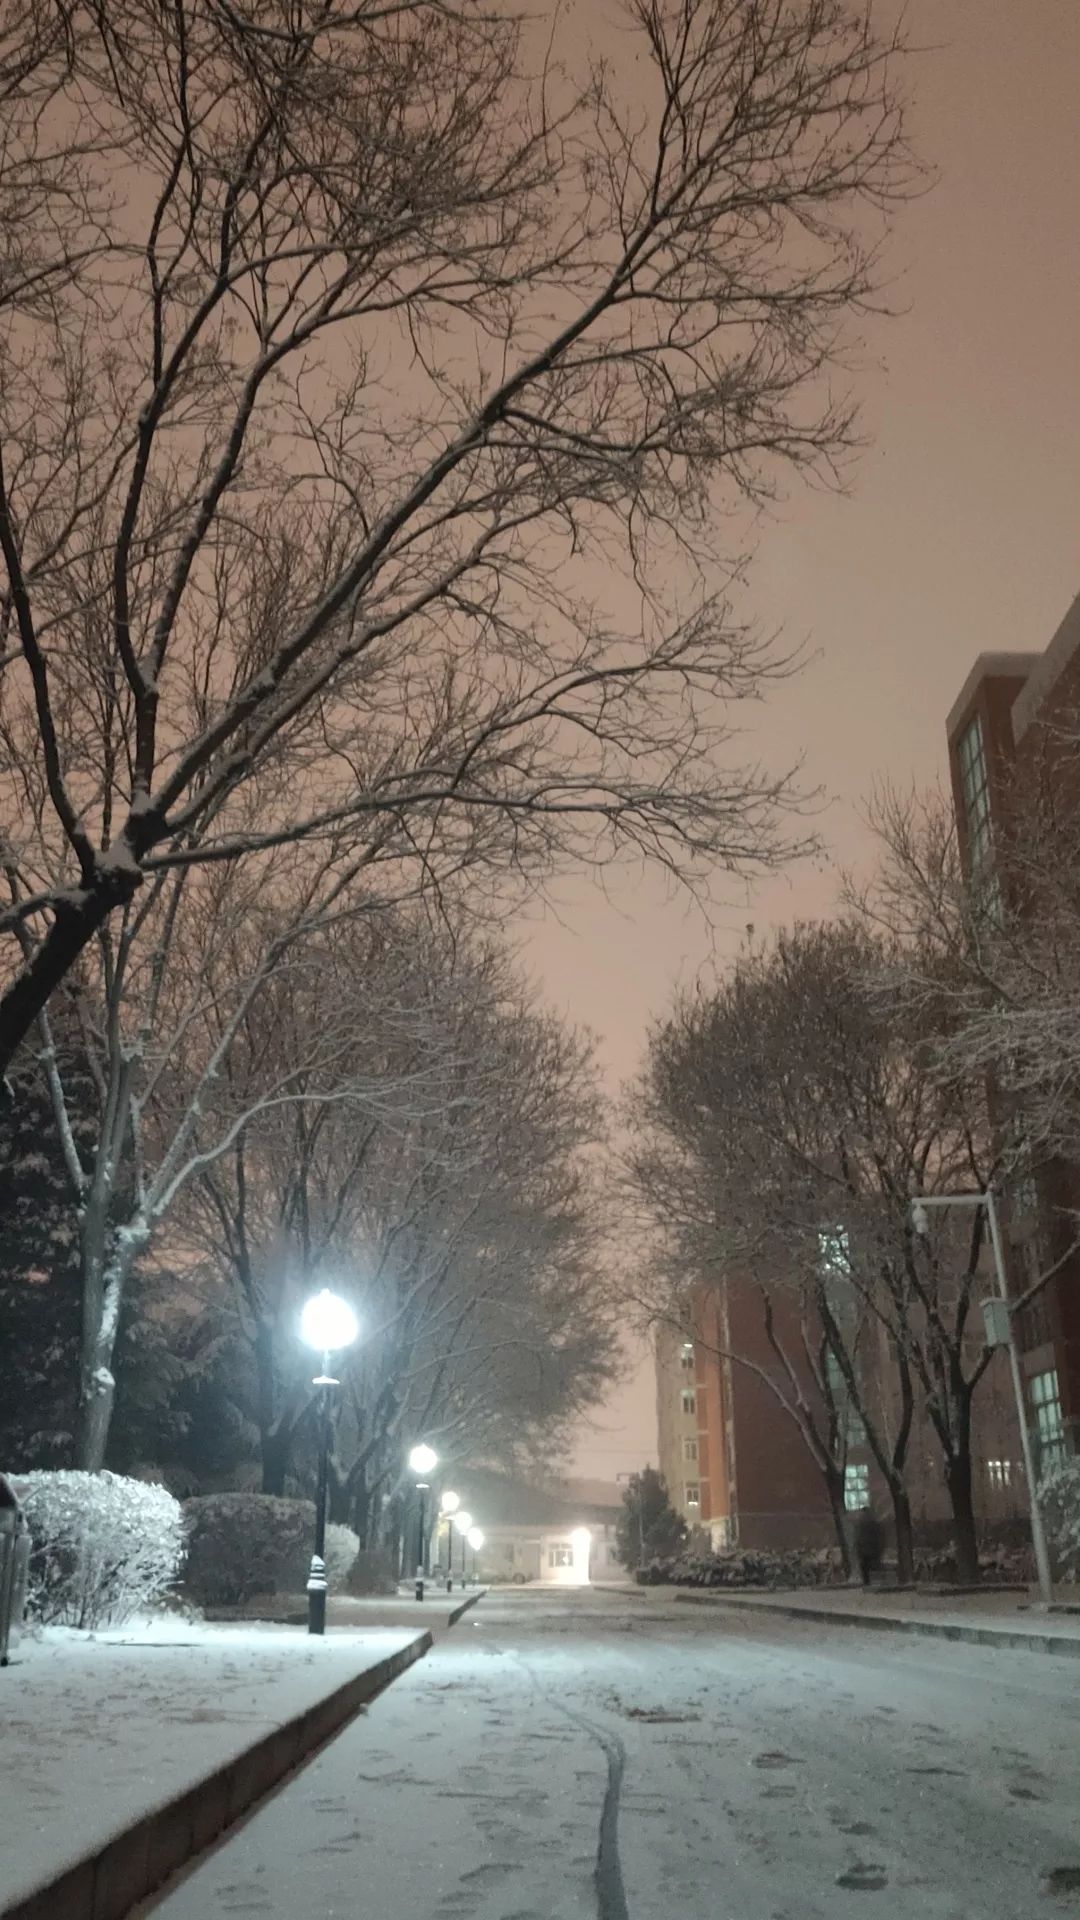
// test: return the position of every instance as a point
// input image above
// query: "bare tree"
(369, 353)
(808, 1114)
(462, 1214)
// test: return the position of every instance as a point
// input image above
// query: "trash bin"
(14, 1565)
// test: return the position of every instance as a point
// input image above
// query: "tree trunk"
(107, 1260)
(834, 1486)
(905, 1550)
(276, 1451)
(958, 1479)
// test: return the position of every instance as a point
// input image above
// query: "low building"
(554, 1535)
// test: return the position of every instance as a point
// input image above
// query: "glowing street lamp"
(328, 1324)
(449, 1505)
(422, 1461)
(475, 1538)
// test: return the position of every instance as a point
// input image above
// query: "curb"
(109, 1882)
(452, 1618)
(1005, 1638)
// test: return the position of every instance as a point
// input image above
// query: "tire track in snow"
(607, 1873)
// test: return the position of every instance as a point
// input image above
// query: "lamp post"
(328, 1324)
(422, 1460)
(449, 1505)
(462, 1521)
(475, 1538)
(1000, 1331)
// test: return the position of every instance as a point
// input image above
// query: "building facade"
(736, 1466)
(1010, 706)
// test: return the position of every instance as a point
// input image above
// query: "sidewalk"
(1003, 1619)
(124, 1754)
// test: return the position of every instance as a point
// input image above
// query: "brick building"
(1001, 730)
(735, 1462)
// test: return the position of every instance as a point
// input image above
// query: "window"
(856, 1488)
(561, 1556)
(689, 1449)
(686, 1358)
(834, 1251)
(692, 1494)
(975, 788)
(1049, 1430)
(999, 1473)
(689, 1400)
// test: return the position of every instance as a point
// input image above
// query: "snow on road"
(588, 1757)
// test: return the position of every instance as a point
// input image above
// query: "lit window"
(689, 1449)
(975, 787)
(1049, 1429)
(851, 1422)
(686, 1358)
(834, 1251)
(689, 1400)
(692, 1494)
(856, 1488)
(999, 1473)
(560, 1556)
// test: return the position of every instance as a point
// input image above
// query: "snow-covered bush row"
(1059, 1495)
(244, 1544)
(750, 1568)
(103, 1547)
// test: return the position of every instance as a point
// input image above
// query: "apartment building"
(1008, 709)
(736, 1466)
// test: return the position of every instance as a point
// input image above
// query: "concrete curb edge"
(134, 1863)
(1004, 1638)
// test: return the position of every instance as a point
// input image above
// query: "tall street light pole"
(328, 1324)
(462, 1521)
(1000, 1332)
(449, 1505)
(422, 1460)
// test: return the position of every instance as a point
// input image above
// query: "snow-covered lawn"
(98, 1729)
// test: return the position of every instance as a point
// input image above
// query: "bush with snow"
(245, 1544)
(102, 1547)
(342, 1547)
(1059, 1497)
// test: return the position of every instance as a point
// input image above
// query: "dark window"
(975, 787)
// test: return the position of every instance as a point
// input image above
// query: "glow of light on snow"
(328, 1323)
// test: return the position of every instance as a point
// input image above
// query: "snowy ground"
(95, 1731)
(587, 1757)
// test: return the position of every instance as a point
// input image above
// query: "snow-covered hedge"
(1059, 1495)
(750, 1568)
(103, 1547)
(245, 1544)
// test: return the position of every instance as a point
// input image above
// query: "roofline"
(1052, 664)
(989, 666)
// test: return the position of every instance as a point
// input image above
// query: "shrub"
(802, 1567)
(103, 1547)
(342, 1547)
(1059, 1496)
(243, 1544)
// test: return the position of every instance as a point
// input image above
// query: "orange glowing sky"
(960, 533)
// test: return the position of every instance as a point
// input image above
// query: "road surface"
(588, 1756)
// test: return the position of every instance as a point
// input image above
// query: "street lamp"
(1000, 1331)
(328, 1324)
(462, 1521)
(449, 1505)
(422, 1460)
(475, 1538)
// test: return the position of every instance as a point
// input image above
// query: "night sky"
(959, 534)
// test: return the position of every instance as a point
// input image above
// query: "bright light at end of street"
(423, 1459)
(328, 1323)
